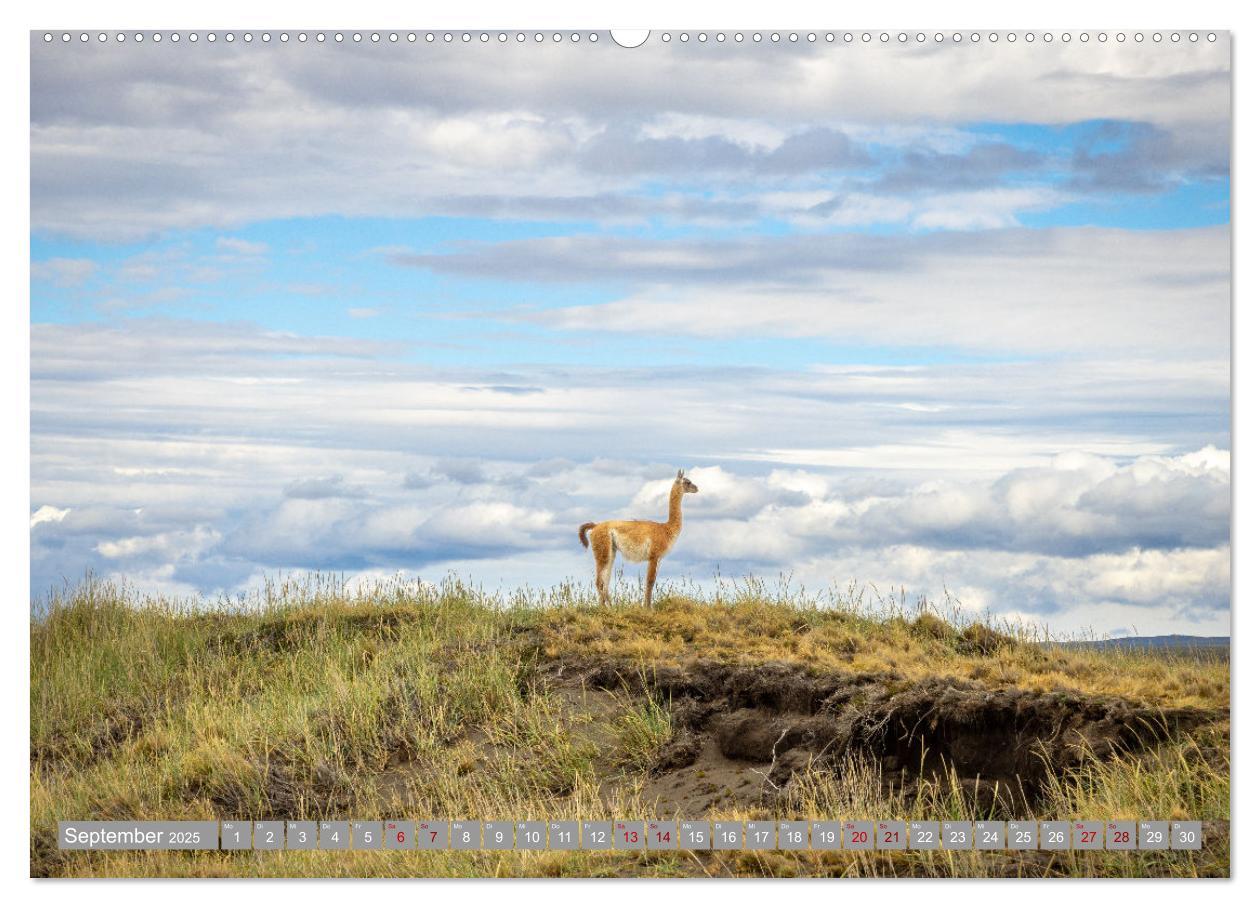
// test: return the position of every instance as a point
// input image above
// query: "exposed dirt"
(743, 732)
(711, 781)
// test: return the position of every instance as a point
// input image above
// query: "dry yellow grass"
(309, 701)
(837, 637)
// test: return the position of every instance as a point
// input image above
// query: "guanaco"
(636, 540)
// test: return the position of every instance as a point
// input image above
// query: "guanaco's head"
(687, 484)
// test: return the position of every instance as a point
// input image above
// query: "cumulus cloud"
(1081, 504)
(46, 513)
(336, 534)
(1048, 545)
(1152, 592)
(1080, 539)
(164, 548)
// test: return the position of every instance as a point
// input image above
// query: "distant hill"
(1180, 642)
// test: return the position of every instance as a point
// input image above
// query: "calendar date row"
(636, 835)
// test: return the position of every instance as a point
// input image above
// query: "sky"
(950, 319)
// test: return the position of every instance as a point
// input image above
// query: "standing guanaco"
(636, 540)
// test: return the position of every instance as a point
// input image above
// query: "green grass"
(307, 701)
(642, 729)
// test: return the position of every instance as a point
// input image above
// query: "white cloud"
(487, 523)
(47, 513)
(1078, 504)
(64, 272)
(1158, 592)
(989, 209)
(958, 450)
(166, 547)
(235, 246)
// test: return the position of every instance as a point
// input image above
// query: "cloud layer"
(222, 135)
(1148, 535)
(1044, 290)
(1022, 487)
(917, 316)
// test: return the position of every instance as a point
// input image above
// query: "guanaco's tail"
(582, 534)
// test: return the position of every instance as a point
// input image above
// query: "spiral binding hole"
(902, 38)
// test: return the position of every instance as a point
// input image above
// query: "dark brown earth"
(744, 732)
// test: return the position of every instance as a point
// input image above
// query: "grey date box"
(366, 835)
(1186, 835)
(662, 835)
(1056, 835)
(497, 835)
(628, 834)
(859, 835)
(400, 835)
(826, 835)
(465, 835)
(334, 835)
(1152, 835)
(990, 835)
(793, 835)
(433, 835)
(924, 834)
(1121, 835)
(301, 835)
(1088, 835)
(234, 834)
(531, 836)
(268, 835)
(596, 835)
(728, 835)
(890, 835)
(1021, 835)
(695, 835)
(563, 835)
(956, 835)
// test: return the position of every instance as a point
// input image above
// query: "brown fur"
(637, 540)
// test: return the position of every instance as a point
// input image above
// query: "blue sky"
(911, 316)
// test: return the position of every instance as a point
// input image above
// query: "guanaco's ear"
(680, 474)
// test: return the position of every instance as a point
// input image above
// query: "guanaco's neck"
(675, 507)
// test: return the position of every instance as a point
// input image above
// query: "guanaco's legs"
(651, 582)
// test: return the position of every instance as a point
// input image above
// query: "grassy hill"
(306, 701)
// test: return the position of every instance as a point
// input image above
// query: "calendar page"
(571, 453)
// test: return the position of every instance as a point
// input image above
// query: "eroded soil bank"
(743, 733)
